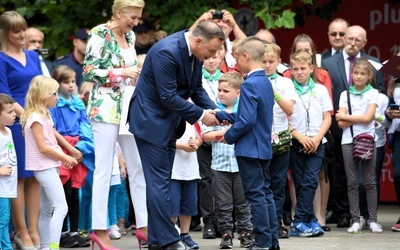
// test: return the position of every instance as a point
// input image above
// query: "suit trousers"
(256, 182)
(105, 137)
(157, 162)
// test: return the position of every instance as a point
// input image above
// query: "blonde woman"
(111, 64)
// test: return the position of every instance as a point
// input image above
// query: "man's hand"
(209, 118)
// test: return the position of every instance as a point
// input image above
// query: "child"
(226, 183)
(8, 168)
(283, 107)
(251, 133)
(211, 73)
(310, 121)
(363, 103)
(69, 119)
(45, 157)
(185, 175)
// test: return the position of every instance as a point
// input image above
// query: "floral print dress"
(102, 66)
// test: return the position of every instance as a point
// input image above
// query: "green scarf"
(353, 91)
(214, 77)
(299, 88)
(273, 76)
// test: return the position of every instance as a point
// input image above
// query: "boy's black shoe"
(226, 242)
(245, 240)
(68, 241)
(209, 231)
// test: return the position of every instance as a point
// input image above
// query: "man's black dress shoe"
(179, 245)
(343, 222)
(154, 247)
(254, 247)
(331, 217)
(275, 248)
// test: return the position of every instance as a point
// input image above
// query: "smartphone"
(394, 106)
(218, 137)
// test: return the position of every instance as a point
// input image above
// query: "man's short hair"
(208, 30)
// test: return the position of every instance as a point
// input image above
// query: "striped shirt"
(35, 160)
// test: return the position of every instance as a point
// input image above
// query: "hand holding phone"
(394, 106)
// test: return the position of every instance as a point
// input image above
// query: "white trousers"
(53, 206)
(105, 137)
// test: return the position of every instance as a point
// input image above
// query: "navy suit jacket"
(166, 81)
(251, 131)
(326, 53)
(336, 69)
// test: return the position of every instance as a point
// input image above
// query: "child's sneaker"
(189, 242)
(245, 240)
(84, 235)
(226, 242)
(396, 227)
(375, 227)
(316, 228)
(355, 228)
(114, 232)
(300, 229)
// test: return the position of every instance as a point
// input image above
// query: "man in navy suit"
(336, 31)
(251, 133)
(338, 67)
(159, 109)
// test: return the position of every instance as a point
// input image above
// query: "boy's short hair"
(234, 79)
(253, 46)
(301, 56)
(5, 99)
(273, 48)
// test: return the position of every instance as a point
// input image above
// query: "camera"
(42, 51)
(217, 14)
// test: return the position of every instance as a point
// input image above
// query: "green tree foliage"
(58, 19)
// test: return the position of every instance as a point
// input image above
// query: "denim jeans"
(396, 165)
(305, 171)
(122, 201)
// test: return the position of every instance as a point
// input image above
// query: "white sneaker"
(375, 227)
(355, 228)
(114, 233)
(362, 223)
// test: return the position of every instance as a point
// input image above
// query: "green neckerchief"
(273, 76)
(214, 77)
(353, 91)
(299, 88)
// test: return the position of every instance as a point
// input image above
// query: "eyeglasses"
(334, 34)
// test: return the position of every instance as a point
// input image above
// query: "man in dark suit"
(158, 108)
(336, 31)
(338, 67)
(251, 133)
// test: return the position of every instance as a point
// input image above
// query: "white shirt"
(8, 157)
(380, 130)
(284, 86)
(317, 101)
(186, 166)
(359, 105)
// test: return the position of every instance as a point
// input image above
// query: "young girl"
(310, 121)
(363, 103)
(70, 121)
(45, 157)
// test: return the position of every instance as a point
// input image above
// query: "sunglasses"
(334, 34)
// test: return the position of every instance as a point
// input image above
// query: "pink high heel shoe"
(142, 240)
(95, 239)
